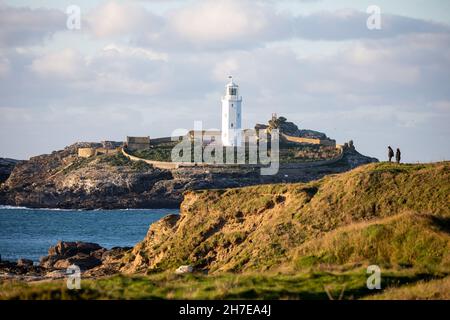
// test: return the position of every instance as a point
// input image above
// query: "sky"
(149, 67)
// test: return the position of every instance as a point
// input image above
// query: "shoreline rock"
(92, 259)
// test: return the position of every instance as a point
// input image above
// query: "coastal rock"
(24, 263)
(86, 255)
(82, 260)
(91, 258)
(21, 268)
(67, 249)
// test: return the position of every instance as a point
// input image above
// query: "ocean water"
(28, 233)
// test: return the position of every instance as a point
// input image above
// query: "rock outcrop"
(290, 129)
(83, 254)
(92, 259)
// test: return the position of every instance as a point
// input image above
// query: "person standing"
(398, 155)
(390, 153)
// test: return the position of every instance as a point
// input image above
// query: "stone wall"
(323, 142)
(91, 151)
(86, 152)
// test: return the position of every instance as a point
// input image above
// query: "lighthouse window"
(232, 125)
(232, 91)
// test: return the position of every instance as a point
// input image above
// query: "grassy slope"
(263, 227)
(305, 237)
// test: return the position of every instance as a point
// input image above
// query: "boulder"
(24, 263)
(85, 255)
(184, 269)
(82, 260)
(67, 249)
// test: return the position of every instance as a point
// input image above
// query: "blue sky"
(150, 67)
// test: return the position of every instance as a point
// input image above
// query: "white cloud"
(115, 19)
(66, 64)
(24, 26)
(131, 52)
(222, 22)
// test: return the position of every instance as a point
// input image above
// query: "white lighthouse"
(231, 116)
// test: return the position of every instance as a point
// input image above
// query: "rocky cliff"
(62, 180)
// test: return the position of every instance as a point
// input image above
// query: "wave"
(5, 207)
(8, 207)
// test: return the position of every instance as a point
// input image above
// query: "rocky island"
(63, 179)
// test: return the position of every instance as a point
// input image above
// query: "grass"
(160, 152)
(115, 160)
(303, 153)
(402, 241)
(422, 290)
(395, 217)
(77, 164)
(289, 153)
(311, 285)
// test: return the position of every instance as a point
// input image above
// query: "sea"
(28, 233)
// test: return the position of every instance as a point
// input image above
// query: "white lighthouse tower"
(231, 116)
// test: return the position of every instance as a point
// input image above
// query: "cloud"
(349, 24)
(222, 23)
(204, 25)
(233, 24)
(66, 64)
(24, 26)
(117, 19)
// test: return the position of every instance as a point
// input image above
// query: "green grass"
(161, 152)
(402, 241)
(119, 160)
(115, 160)
(77, 164)
(289, 153)
(312, 285)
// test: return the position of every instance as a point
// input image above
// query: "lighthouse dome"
(231, 83)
